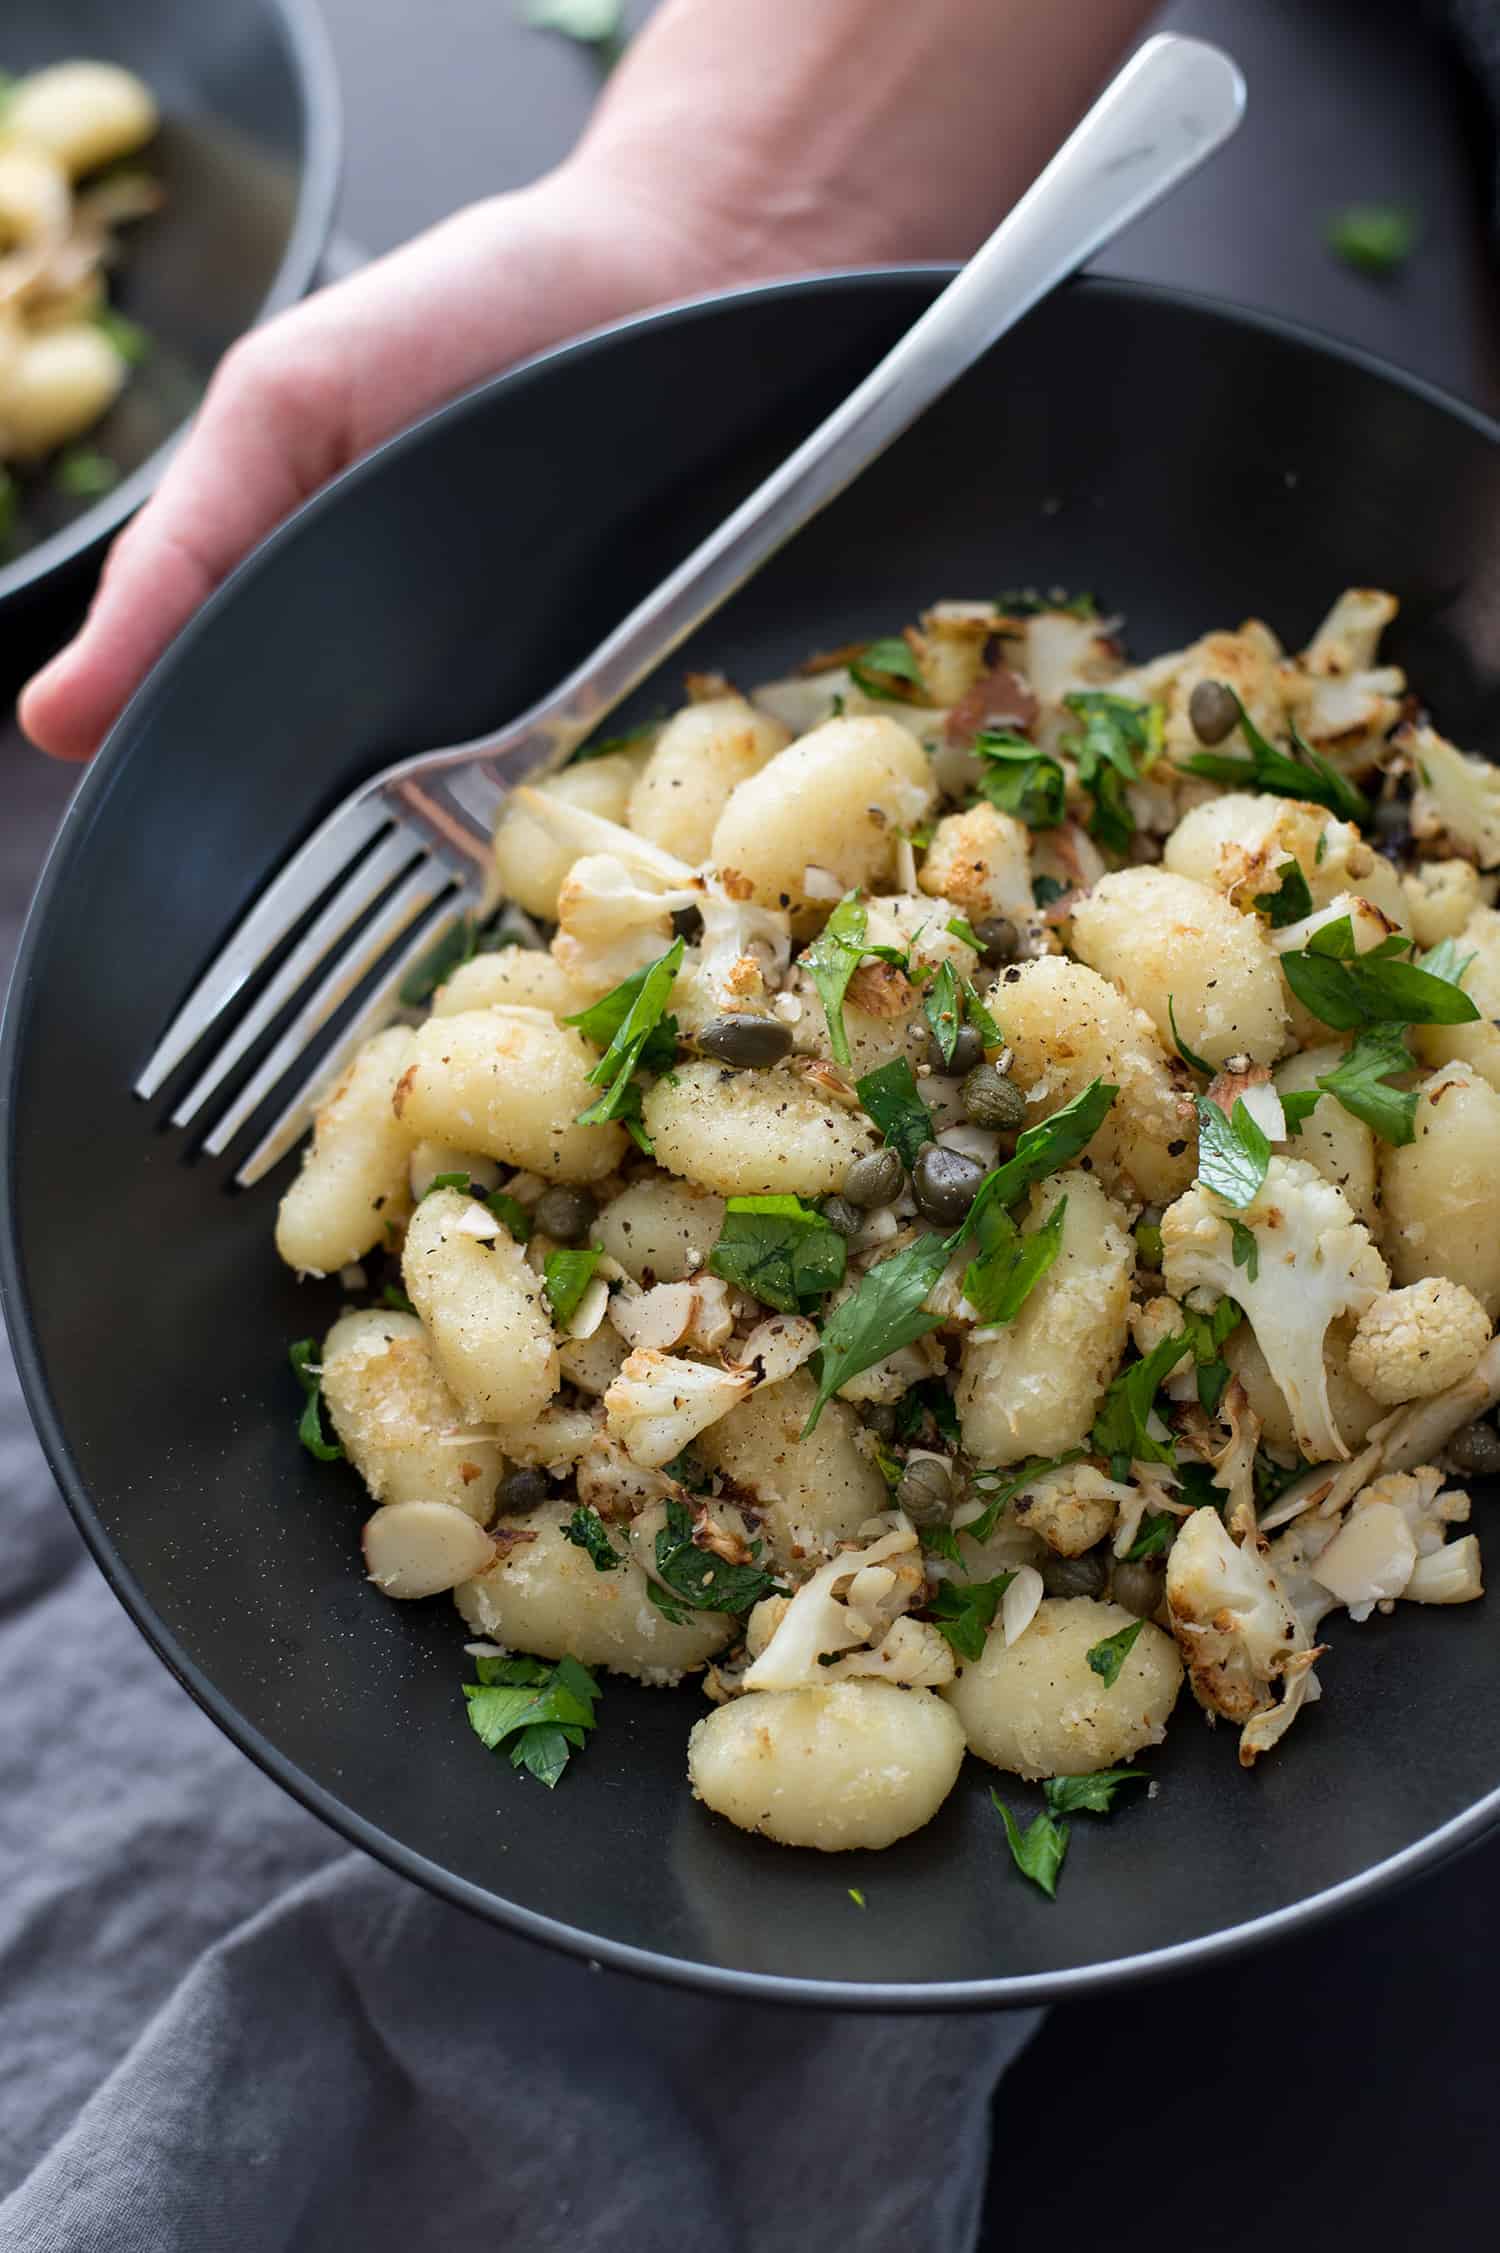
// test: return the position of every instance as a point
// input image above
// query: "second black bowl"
(1189, 465)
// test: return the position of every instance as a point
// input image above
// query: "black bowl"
(248, 156)
(1189, 464)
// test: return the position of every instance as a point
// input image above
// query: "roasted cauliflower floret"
(1247, 1653)
(1456, 803)
(1419, 1340)
(1315, 1261)
(659, 1403)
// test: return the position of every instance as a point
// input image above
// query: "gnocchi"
(897, 1261)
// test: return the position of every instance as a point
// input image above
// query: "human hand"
(732, 144)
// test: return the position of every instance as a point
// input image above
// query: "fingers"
(273, 427)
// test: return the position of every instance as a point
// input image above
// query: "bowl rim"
(315, 76)
(1003, 1992)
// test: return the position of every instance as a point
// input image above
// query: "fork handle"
(1173, 104)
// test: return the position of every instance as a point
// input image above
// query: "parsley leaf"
(1025, 602)
(1120, 1426)
(1194, 1062)
(979, 1017)
(632, 1020)
(565, 1277)
(396, 1299)
(310, 1423)
(942, 1006)
(1306, 776)
(130, 340)
(599, 24)
(1446, 962)
(547, 1710)
(83, 473)
(1349, 991)
(1107, 1657)
(1114, 731)
(585, 1529)
(779, 1250)
(514, 1214)
(1153, 1539)
(880, 663)
(1000, 1488)
(1010, 1264)
(605, 746)
(963, 1611)
(1373, 238)
(1206, 1334)
(1046, 889)
(1246, 1249)
(1298, 1104)
(1233, 1153)
(883, 1313)
(1020, 780)
(932, 1399)
(694, 1579)
(962, 928)
(1037, 1851)
(1360, 1081)
(1290, 901)
(831, 961)
(1093, 1795)
(890, 1096)
(1044, 1149)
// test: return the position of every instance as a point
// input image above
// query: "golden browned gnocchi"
(61, 365)
(925, 1217)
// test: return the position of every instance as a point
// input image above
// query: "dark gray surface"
(1347, 101)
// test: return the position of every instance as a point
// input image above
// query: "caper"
(1073, 1576)
(564, 1214)
(1138, 1587)
(521, 1490)
(840, 1214)
(876, 1179)
(1476, 1449)
(1212, 711)
(744, 1042)
(998, 939)
(943, 1182)
(991, 1099)
(926, 1490)
(880, 1418)
(968, 1050)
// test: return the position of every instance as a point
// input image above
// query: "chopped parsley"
(514, 1214)
(566, 1275)
(633, 1028)
(963, 1611)
(690, 1579)
(883, 1314)
(1000, 1489)
(880, 664)
(310, 1422)
(130, 340)
(1305, 776)
(1349, 990)
(1025, 602)
(396, 1299)
(943, 1007)
(83, 473)
(1039, 1850)
(1374, 238)
(961, 928)
(1233, 1152)
(1120, 1428)
(1092, 1795)
(1018, 779)
(1115, 733)
(605, 746)
(929, 1400)
(1194, 1062)
(1154, 1538)
(831, 961)
(998, 1283)
(979, 1017)
(548, 1711)
(856, 1897)
(890, 1096)
(1107, 1657)
(779, 1250)
(585, 1529)
(1291, 900)
(1246, 1249)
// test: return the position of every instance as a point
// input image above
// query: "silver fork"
(412, 844)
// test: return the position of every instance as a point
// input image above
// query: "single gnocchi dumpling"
(811, 1492)
(509, 1083)
(398, 1422)
(1037, 1708)
(1177, 949)
(545, 1596)
(754, 1133)
(482, 1307)
(352, 1189)
(859, 1764)
(834, 802)
(701, 756)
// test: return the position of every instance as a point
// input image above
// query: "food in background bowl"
(65, 355)
(929, 1170)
